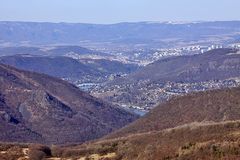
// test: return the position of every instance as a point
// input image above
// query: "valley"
(126, 91)
(148, 86)
(132, 85)
(145, 95)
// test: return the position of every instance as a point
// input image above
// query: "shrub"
(36, 155)
(13, 153)
(57, 151)
(39, 152)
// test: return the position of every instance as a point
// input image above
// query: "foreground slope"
(40, 108)
(209, 141)
(198, 126)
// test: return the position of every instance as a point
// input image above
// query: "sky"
(115, 11)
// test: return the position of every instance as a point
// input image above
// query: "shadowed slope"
(55, 110)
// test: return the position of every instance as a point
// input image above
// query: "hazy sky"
(113, 11)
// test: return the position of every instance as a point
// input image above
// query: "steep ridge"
(48, 110)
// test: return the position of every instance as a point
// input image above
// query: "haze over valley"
(122, 80)
(128, 72)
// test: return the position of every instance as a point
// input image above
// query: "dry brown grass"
(39, 152)
(198, 126)
(215, 106)
(193, 141)
(11, 151)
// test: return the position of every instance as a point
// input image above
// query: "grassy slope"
(216, 106)
(192, 141)
(198, 126)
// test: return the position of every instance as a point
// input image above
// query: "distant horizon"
(112, 12)
(154, 22)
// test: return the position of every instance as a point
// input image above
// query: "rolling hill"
(110, 66)
(61, 67)
(216, 64)
(65, 67)
(39, 108)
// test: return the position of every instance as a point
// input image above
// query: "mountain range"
(129, 34)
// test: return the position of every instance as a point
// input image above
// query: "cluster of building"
(188, 50)
(144, 96)
(235, 45)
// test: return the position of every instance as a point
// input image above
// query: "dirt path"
(97, 156)
(25, 152)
